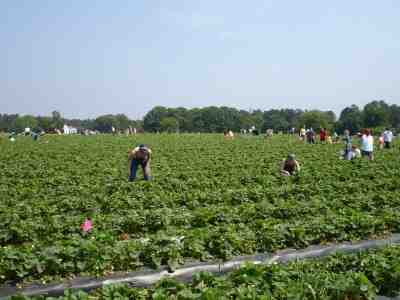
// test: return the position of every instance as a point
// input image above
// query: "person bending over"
(140, 156)
(290, 166)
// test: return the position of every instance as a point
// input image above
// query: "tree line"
(376, 115)
(104, 123)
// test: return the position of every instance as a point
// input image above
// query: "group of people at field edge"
(367, 144)
(141, 155)
(309, 136)
(12, 136)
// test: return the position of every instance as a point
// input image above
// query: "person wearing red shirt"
(322, 135)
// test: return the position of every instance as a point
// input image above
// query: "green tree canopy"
(316, 119)
(376, 113)
(351, 118)
(169, 124)
(26, 121)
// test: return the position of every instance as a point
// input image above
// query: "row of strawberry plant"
(210, 199)
(340, 276)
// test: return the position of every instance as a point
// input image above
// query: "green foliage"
(338, 277)
(169, 124)
(376, 113)
(351, 118)
(57, 120)
(316, 119)
(210, 199)
(26, 121)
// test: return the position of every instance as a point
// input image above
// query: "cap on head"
(291, 156)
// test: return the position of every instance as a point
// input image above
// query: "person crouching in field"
(141, 155)
(290, 166)
(355, 152)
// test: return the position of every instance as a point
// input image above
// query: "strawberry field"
(210, 199)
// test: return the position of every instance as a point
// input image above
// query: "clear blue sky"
(86, 58)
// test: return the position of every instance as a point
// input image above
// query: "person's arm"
(282, 165)
(297, 166)
(131, 155)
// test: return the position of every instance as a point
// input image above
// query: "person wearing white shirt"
(367, 144)
(387, 137)
(355, 152)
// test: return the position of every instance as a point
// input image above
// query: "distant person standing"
(310, 136)
(302, 133)
(322, 135)
(335, 137)
(381, 142)
(11, 137)
(140, 156)
(347, 145)
(367, 144)
(35, 136)
(387, 138)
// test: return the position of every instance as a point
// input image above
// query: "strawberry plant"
(209, 200)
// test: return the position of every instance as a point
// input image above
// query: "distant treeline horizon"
(376, 115)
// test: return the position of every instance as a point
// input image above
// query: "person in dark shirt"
(290, 166)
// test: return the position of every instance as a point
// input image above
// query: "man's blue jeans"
(134, 167)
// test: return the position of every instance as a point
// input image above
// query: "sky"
(87, 58)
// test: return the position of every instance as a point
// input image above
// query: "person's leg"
(348, 155)
(146, 171)
(134, 167)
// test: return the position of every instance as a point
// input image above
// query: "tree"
(151, 121)
(245, 119)
(45, 123)
(376, 113)
(351, 118)
(395, 116)
(274, 119)
(121, 121)
(169, 124)
(105, 123)
(7, 122)
(212, 121)
(26, 121)
(257, 116)
(57, 121)
(316, 119)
